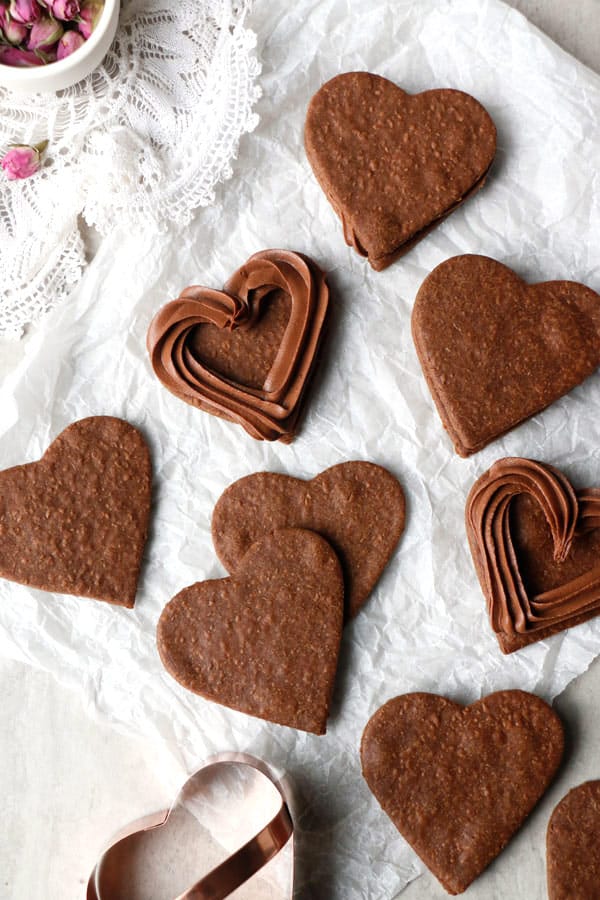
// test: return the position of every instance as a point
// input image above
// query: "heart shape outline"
(496, 350)
(394, 165)
(239, 867)
(459, 781)
(270, 413)
(517, 618)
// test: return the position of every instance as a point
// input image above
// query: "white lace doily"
(147, 136)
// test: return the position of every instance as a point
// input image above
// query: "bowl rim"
(37, 74)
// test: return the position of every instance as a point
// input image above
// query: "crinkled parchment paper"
(425, 627)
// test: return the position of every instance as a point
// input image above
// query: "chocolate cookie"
(572, 845)
(394, 165)
(536, 547)
(357, 507)
(495, 350)
(76, 521)
(246, 353)
(457, 782)
(266, 640)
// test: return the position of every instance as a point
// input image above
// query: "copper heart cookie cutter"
(260, 796)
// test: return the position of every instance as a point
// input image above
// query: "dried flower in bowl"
(38, 32)
(24, 11)
(49, 45)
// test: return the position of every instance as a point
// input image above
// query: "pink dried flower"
(14, 56)
(65, 10)
(23, 161)
(44, 34)
(25, 11)
(14, 32)
(69, 43)
(89, 16)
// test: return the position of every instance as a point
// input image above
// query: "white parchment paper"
(425, 627)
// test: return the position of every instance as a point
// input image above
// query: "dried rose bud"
(69, 43)
(14, 56)
(44, 34)
(23, 161)
(25, 11)
(89, 16)
(14, 32)
(65, 10)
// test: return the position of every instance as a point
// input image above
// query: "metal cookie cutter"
(263, 791)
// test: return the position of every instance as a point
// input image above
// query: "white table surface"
(67, 781)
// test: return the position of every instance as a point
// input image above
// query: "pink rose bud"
(14, 32)
(89, 16)
(44, 34)
(23, 161)
(63, 9)
(69, 43)
(14, 56)
(25, 11)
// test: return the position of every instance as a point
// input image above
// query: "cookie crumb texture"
(495, 350)
(573, 845)
(76, 521)
(457, 782)
(265, 641)
(358, 507)
(393, 165)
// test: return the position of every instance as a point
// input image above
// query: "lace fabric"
(148, 135)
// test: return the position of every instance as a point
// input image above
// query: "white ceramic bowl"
(62, 74)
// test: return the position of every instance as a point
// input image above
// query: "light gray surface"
(68, 782)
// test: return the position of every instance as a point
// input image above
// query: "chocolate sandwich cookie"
(572, 845)
(394, 165)
(76, 521)
(495, 350)
(246, 353)
(358, 507)
(266, 640)
(457, 782)
(535, 543)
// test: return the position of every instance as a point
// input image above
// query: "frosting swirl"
(269, 412)
(513, 613)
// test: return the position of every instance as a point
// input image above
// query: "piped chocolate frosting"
(245, 353)
(519, 513)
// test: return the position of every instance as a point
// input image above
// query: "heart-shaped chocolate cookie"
(246, 353)
(495, 350)
(393, 165)
(266, 640)
(457, 782)
(573, 858)
(357, 507)
(535, 543)
(76, 521)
